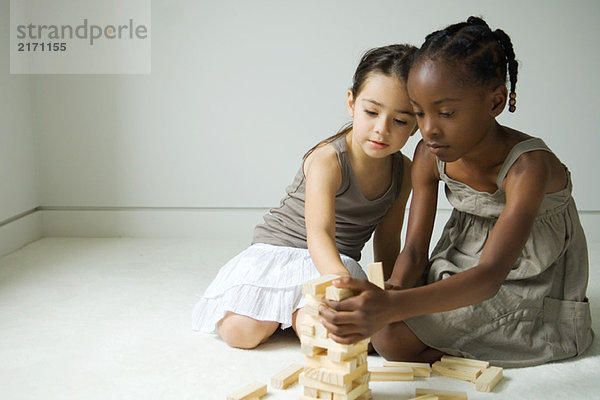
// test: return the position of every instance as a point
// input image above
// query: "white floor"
(110, 319)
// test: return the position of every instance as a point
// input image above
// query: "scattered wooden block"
(426, 397)
(251, 391)
(457, 371)
(338, 294)
(286, 377)
(375, 272)
(391, 374)
(421, 370)
(466, 361)
(442, 394)
(488, 379)
(317, 286)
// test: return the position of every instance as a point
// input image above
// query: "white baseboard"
(153, 222)
(231, 224)
(20, 232)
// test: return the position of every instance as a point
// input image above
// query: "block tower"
(332, 371)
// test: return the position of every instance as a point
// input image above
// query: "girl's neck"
(373, 175)
(491, 151)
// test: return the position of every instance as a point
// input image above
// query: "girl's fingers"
(344, 305)
(346, 339)
(345, 333)
(357, 285)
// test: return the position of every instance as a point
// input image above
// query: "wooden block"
(466, 361)
(442, 394)
(321, 331)
(353, 351)
(375, 272)
(456, 371)
(342, 367)
(307, 330)
(421, 370)
(355, 394)
(286, 377)
(379, 374)
(488, 379)
(311, 350)
(310, 392)
(253, 390)
(361, 358)
(325, 395)
(326, 387)
(317, 286)
(337, 294)
(330, 344)
(426, 397)
(326, 375)
(316, 299)
(365, 396)
(312, 309)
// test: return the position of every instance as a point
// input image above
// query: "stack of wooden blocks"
(332, 370)
(479, 372)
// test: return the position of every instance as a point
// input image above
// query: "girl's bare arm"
(410, 264)
(387, 240)
(323, 178)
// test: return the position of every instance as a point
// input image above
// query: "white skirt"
(263, 282)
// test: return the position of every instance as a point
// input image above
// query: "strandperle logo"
(90, 32)
(80, 36)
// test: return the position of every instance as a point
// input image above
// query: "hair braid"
(512, 66)
(484, 56)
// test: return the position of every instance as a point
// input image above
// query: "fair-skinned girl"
(507, 280)
(349, 186)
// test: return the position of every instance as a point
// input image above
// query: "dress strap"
(520, 148)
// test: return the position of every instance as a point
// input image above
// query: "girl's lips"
(435, 148)
(378, 145)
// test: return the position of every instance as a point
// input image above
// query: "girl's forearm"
(408, 268)
(460, 290)
(325, 255)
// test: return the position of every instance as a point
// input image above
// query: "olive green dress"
(541, 312)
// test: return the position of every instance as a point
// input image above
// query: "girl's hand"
(357, 317)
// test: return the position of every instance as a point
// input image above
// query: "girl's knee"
(244, 332)
(396, 342)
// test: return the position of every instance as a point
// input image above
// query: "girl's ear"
(499, 96)
(350, 102)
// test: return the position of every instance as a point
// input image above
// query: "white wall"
(240, 89)
(18, 176)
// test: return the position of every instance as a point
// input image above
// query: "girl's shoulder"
(323, 157)
(531, 156)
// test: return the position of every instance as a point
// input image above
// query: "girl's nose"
(427, 127)
(381, 126)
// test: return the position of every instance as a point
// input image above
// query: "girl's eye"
(446, 114)
(400, 122)
(369, 112)
(419, 114)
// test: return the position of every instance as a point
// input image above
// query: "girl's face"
(382, 115)
(453, 119)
